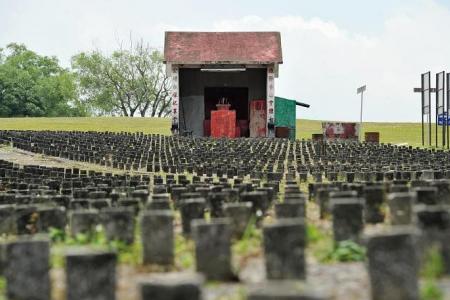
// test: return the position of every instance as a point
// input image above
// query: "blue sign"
(443, 118)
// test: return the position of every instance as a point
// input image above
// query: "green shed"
(285, 115)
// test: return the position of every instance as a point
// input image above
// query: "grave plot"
(185, 218)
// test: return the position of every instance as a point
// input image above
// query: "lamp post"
(361, 91)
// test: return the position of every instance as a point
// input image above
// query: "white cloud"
(324, 64)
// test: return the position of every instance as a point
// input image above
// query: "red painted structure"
(223, 122)
(207, 66)
(222, 47)
(258, 115)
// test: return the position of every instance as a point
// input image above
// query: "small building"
(211, 68)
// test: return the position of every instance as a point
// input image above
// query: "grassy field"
(395, 133)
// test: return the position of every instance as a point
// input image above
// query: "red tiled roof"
(223, 47)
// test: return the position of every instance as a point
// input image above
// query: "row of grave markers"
(393, 257)
(359, 176)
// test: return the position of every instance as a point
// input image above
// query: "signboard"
(448, 106)
(440, 92)
(426, 93)
(443, 119)
(426, 107)
(440, 106)
(340, 131)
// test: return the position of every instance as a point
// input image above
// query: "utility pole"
(361, 91)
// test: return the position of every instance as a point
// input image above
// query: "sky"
(330, 47)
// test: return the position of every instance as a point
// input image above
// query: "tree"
(127, 82)
(35, 86)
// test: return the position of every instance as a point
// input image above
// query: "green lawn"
(115, 124)
(389, 132)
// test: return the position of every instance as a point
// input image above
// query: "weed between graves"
(2, 288)
(314, 234)
(346, 251)
(127, 254)
(184, 252)
(250, 243)
(320, 243)
(431, 271)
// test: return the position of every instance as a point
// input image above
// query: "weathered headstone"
(51, 217)
(7, 220)
(27, 269)
(259, 200)
(213, 248)
(291, 209)
(172, 286)
(157, 237)
(90, 274)
(348, 221)
(239, 214)
(191, 209)
(393, 265)
(118, 223)
(374, 199)
(284, 249)
(83, 221)
(400, 207)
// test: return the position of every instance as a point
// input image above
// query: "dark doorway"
(236, 96)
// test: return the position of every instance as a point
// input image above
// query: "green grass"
(114, 124)
(184, 252)
(431, 270)
(389, 132)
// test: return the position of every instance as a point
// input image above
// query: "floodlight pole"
(360, 116)
(361, 91)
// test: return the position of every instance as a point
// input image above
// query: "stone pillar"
(213, 248)
(426, 195)
(191, 209)
(259, 200)
(239, 214)
(393, 265)
(157, 237)
(51, 217)
(348, 221)
(215, 203)
(322, 197)
(290, 209)
(400, 207)
(118, 223)
(284, 249)
(172, 286)
(27, 269)
(7, 223)
(90, 274)
(374, 196)
(83, 221)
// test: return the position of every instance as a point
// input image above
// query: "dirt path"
(29, 158)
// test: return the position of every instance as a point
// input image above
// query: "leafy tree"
(127, 82)
(35, 86)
